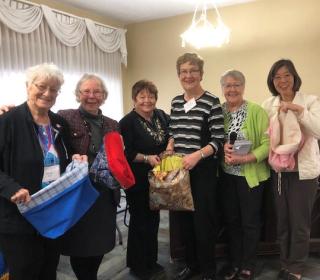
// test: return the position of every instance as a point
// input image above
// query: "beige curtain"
(101, 50)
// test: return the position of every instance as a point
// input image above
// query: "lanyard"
(45, 137)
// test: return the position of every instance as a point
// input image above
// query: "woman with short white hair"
(245, 171)
(33, 153)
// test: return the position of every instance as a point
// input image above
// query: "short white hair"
(235, 74)
(45, 71)
(89, 77)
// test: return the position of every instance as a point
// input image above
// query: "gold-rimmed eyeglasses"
(96, 93)
(230, 86)
(45, 88)
(191, 72)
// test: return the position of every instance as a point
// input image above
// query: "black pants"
(86, 268)
(294, 207)
(242, 207)
(30, 257)
(199, 227)
(142, 249)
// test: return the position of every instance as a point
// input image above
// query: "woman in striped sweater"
(196, 130)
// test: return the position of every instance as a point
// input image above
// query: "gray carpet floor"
(114, 263)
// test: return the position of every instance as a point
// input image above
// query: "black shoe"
(140, 274)
(156, 269)
(186, 273)
(229, 273)
(212, 277)
(283, 274)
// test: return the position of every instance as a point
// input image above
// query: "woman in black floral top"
(145, 135)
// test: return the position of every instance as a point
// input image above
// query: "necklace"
(153, 128)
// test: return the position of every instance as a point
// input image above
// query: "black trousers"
(242, 208)
(86, 268)
(199, 227)
(30, 257)
(294, 207)
(142, 249)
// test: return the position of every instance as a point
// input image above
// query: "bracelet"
(145, 158)
(202, 154)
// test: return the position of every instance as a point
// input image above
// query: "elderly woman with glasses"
(33, 152)
(294, 186)
(245, 171)
(94, 234)
(196, 131)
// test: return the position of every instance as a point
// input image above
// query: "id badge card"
(51, 173)
(189, 105)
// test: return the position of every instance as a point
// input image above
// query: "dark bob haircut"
(144, 85)
(292, 70)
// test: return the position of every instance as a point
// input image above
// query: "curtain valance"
(69, 33)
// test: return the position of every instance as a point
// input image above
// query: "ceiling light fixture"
(202, 33)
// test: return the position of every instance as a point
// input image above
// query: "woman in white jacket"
(295, 187)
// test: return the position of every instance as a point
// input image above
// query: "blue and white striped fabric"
(57, 207)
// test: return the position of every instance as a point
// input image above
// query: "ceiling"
(132, 11)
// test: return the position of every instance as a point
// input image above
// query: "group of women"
(35, 147)
(198, 127)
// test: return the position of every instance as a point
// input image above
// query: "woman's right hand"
(153, 160)
(21, 196)
(228, 149)
(79, 157)
(285, 106)
(6, 108)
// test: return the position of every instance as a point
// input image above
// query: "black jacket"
(21, 161)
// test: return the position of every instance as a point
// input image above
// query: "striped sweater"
(186, 128)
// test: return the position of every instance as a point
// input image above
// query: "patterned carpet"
(114, 263)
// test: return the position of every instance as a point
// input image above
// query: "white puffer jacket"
(308, 156)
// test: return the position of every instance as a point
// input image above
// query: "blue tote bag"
(3, 269)
(56, 208)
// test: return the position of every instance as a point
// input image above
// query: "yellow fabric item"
(169, 163)
(4, 276)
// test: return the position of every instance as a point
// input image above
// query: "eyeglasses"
(286, 77)
(96, 93)
(44, 88)
(192, 72)
(230, 86)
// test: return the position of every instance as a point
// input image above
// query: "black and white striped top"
(186, 128)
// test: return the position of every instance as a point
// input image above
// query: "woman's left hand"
(79, 157)
(191, 160)
(233, 159)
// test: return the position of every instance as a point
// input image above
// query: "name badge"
(189, 105)
(51, 173)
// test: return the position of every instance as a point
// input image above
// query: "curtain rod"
(66, 14)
